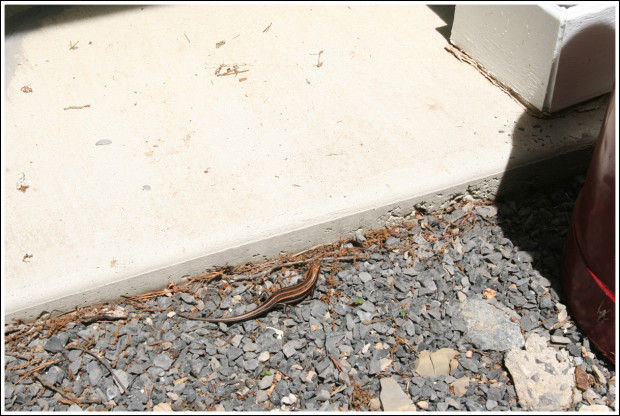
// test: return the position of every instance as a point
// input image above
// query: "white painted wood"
(551, 56)
(586, 61)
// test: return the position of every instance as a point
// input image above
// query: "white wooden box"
(551, 56)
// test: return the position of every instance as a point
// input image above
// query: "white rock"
(438, 363)
(542, 382)
(594, 408)
(310, 376)
(422, 404)
(562, 314)
(323, 395)
(289, 400)
(598, 374)
(385, 363)
(374, 404)
(393, 398)
(164, 407)
(423, 364)
(264, 356)
(460, 386)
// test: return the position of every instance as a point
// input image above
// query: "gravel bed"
(438, 313)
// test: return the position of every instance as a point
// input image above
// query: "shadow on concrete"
(445, 13)
(535, 201)
(22, 18)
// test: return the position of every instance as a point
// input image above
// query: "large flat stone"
(543, 383)
(489, 326)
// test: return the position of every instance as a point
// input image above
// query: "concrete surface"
(345, 118)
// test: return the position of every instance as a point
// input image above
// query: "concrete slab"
(131, 160)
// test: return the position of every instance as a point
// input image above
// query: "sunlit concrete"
(130, 160)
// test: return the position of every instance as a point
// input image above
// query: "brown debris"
(360, 398)
(76, 107)
(225, 70)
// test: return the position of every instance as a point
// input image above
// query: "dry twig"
(37, 368)
(105, 364)
(67, 396)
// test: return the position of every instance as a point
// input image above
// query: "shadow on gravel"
(535, 206)
(535, 202)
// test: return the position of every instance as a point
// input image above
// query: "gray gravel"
(480, 282)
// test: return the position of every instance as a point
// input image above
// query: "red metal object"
(588, 266)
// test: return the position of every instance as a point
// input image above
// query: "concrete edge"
(511, 182)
